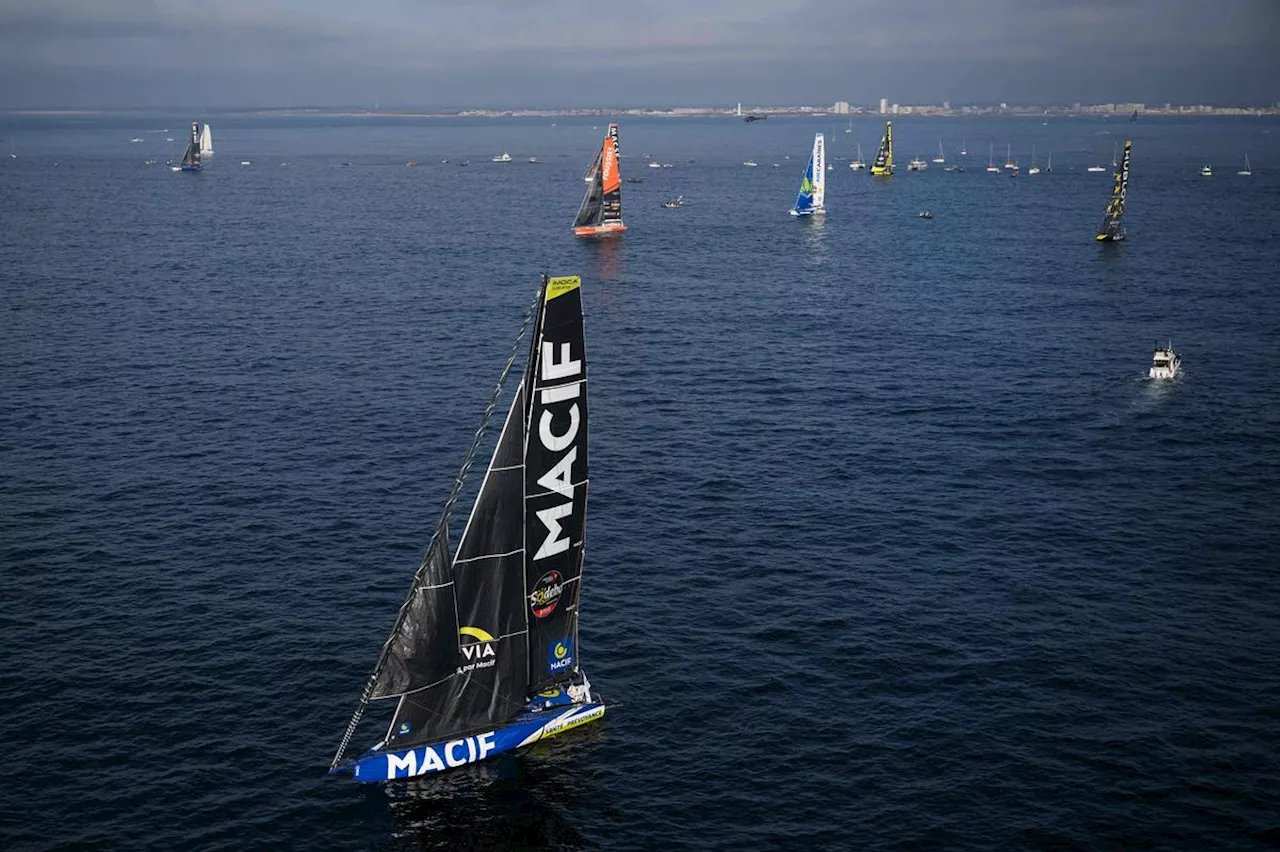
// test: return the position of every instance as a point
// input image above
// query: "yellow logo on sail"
(560, 286)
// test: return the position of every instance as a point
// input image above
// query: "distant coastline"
(842, 109)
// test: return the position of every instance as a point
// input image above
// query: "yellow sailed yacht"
(883, 164)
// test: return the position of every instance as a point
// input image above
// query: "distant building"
(840, 108)
(884, 105)
(894, 109)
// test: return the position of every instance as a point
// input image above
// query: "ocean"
(892, 544)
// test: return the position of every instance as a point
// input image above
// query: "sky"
(596, 53)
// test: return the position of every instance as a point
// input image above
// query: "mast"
(1111, 230)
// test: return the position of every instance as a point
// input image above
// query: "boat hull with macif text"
(432, 758)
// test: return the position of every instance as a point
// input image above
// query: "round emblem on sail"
(546, 594)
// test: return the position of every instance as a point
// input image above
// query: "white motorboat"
(502, 158)
(1165, 363)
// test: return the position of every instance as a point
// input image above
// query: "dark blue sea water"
(892, 544)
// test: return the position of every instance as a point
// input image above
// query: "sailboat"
(849, 129)
(601, 210)
(1247, 170)
(883, 165)
(1034, 170)
(940, 158)
(964, 148)
(1008, 157)
(858, 163)
(191, 157)
(206, 142)
(1048, 167)
(1111, 230)
(811, 198)
(991, 153)
(483, 658)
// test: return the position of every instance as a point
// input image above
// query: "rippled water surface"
(892, 544)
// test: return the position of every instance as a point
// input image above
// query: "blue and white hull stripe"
(380, 766)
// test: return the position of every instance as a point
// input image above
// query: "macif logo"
(560, 655)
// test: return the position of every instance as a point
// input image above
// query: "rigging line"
(367, 693)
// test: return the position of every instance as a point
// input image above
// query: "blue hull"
(381, 766)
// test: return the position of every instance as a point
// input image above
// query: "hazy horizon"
(576, 54)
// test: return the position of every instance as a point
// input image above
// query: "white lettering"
(556, 443)
(486, 744)
(431, 761)
(448, 753)
(550, 518)
(560, 478)
(471, 749)
(564, 368)
(560, 393)
(408, 762)
(475, 652)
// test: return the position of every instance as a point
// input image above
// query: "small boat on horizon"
(1206, 171)
(750, 163)
(1247, 170)
(502, 158)
(941, 158)
(916, 165)
(858, 164)
(678, 201)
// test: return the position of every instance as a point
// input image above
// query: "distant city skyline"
(579, 53)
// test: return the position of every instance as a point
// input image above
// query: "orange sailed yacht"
(601, 210)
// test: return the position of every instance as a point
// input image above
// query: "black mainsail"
(191, 158)
(484, 631)
(1111, 230)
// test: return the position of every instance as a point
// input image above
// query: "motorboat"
(917, 165)
(1165, 363)
(1206, 171)
(751, 164)
(502, 158)
(677, 202)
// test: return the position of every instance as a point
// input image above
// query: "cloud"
(151, 52)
